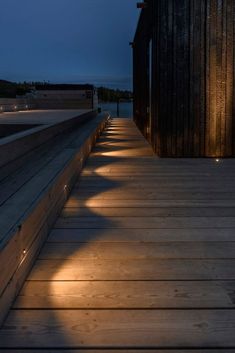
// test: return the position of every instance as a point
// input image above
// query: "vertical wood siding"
(192, 74)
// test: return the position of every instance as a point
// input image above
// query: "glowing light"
(24, 251)
(217, 160)
(65, 187)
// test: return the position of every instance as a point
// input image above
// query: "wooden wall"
(192, 74)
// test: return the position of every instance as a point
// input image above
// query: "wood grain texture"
(141, 202)
(131, 265)
(77, 212)
(140, 235)
(147, 223)
(118, 328)
(137, 270)
(28, 215)
(192, 77)
(137, 294)
(157, 250)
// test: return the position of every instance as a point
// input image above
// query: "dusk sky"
(68, 41)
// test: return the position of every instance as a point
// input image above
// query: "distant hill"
(5, 82)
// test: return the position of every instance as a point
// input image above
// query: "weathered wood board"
(27, 215)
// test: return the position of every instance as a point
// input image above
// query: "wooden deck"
(142, 258)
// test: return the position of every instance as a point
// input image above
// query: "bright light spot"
(24, 251)
(217, 160)
(65, 187)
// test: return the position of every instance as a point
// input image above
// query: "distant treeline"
(112, 95)
(13, 89)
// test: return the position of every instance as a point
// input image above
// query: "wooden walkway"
(142, 258)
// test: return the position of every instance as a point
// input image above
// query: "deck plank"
(119, 328)
(157, 250)
(140, 235)
(76, 212)
(146, 222)
(137, 295)
(134, 269)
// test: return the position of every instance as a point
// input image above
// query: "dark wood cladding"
(192, 105)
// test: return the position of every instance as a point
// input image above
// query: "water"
(125, 109)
